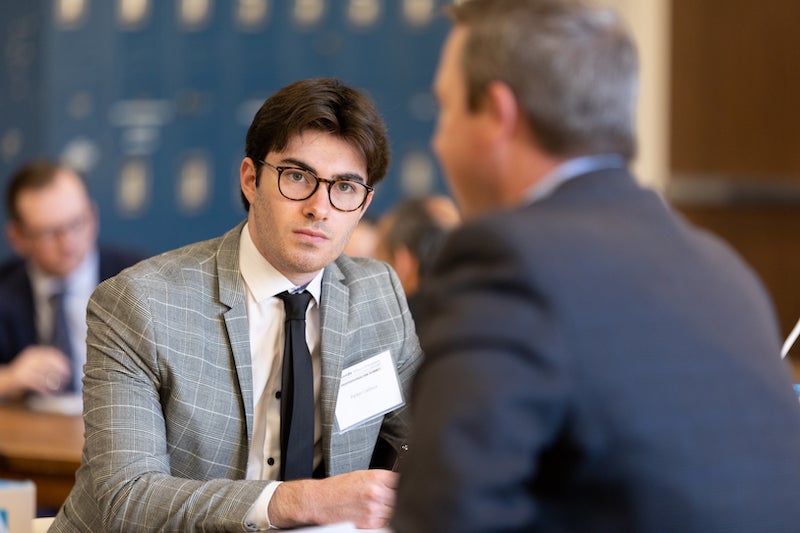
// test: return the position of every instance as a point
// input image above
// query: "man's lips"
(311, 235)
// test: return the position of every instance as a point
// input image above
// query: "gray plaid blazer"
(168, 392)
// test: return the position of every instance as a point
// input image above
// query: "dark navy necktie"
(60, 336)
(297, 392)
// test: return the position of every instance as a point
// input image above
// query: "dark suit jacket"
(593, 363)
(17, 316)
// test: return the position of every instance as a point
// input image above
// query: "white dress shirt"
(79, 287)
(266, 319)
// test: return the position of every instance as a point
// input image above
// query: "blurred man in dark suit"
(593, 362)
(52, 225)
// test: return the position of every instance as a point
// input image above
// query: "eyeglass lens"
(299, 184)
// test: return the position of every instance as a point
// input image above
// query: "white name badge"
(367, 390)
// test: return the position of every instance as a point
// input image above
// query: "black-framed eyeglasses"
(299, 184)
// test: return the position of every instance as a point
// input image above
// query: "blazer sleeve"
(396, 425)
(129, 445)
(490, 395)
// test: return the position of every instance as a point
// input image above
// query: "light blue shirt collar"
(569, 169)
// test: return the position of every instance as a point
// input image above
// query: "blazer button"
(278, 395)
(270, 461)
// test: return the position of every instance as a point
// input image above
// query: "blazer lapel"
(231, 293)
(333, 311)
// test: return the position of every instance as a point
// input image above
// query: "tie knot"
(295, 304)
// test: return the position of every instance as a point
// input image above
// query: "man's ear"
(367, 201)
(16, 239)
(502, 106)
(247, 179)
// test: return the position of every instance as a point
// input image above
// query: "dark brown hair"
(321, 104)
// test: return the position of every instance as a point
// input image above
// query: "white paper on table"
(344, 527)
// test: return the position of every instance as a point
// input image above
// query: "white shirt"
(79, 286)
(266, 319)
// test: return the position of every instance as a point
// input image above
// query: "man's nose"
(319, 203)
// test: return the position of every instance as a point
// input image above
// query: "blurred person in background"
(592, 361)
(409, 237)
(364, 239)
(52, 226)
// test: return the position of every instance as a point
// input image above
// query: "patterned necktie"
(297, 392)
(60, 335)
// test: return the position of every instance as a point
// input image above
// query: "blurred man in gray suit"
(184, 389)
(592, 362)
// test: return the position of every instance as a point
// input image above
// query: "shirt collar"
(82, 280)
(569, 169)
(263, 279)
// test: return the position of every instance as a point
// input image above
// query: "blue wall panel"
(155, 111)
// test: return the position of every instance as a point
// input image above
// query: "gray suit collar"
(334, 315)
(334, 312)
(231, 287)
(231, 293)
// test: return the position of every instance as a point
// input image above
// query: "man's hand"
(364, 497)
(41, 369)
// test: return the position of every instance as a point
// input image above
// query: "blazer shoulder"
(12, 271)
(357, 271)
(10, 264)
(170, 264)
(16, 295)
(496, 235)
(205, 269)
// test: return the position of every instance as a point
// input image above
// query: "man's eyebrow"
(297, 163)
(349, 176)
(305, 166)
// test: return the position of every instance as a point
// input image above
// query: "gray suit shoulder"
(194, 267)
(200, 255)
(364, 271)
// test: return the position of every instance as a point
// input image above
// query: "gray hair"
(571, 65)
